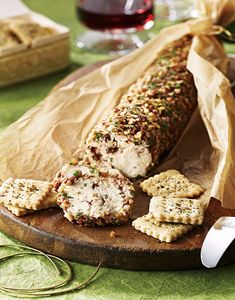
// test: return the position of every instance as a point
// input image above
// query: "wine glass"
(176, 10)
(114, 25)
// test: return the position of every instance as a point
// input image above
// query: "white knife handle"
(219, 237)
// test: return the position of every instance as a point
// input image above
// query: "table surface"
(110, 283)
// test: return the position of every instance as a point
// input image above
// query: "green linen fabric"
(120, 284)
(200, 284)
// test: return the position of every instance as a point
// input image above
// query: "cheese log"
(94, 195)
(150, 116)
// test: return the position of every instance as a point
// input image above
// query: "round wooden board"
(50, 232)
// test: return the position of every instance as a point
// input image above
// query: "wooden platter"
(49, 231)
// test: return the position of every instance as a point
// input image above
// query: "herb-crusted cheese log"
(94, 195)
(150, 116)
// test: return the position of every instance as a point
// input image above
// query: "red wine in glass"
(115, 14)
(112, 22)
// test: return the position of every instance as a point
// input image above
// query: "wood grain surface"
(49, 231)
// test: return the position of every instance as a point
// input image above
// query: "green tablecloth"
(110, 283)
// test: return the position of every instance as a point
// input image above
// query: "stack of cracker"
(15, 32)
(28, 32)
(172, 212)
(24, 196)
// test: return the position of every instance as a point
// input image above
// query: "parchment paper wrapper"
(50, 134)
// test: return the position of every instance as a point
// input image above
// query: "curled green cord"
(49, 290)
(34, 250)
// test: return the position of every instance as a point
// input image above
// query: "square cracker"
(165, 232)
(24, 193)
(171, 183)
(177, 210)
(18, 211)
(27, 32)
(49, 201)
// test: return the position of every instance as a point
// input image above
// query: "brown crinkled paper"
(50, 134)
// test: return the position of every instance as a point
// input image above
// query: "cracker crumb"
(112, 234)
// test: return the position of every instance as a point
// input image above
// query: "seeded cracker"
(171, 183)
(165, 232)
(177, 210)
(49, 201)
(18, 211)
(24, 193)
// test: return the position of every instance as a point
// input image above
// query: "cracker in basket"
(24, 193)
(7, 39)
(27, 32)
(177, 210)
(49, 201)
(171, 183)
(165, 232)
